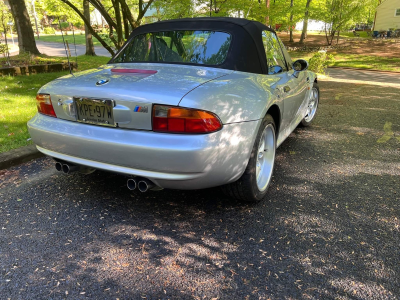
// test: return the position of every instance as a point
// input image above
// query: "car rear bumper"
(170, 160)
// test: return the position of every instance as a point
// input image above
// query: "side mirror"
(275, 70)
(299, 65)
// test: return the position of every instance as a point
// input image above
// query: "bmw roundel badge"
(102, 82)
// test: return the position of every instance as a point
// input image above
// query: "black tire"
(305, 122)
(245, 188)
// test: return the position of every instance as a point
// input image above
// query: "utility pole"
(35, 16)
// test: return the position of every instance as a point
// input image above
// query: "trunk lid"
(132, 86)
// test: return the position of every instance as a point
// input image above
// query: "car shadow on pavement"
(96, 239)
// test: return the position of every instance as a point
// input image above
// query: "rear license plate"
(94, 111)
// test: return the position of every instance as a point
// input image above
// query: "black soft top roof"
(246, 52)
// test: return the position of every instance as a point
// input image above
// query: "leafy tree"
(173, 9)
(55, 10)
(5, 16)
(340, 14)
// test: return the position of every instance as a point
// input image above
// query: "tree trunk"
(326, 35)
(117, 10)
(26, 38)
(291, 21)
(127, 30)
(267, 17)
(305, 23)
(88, 35)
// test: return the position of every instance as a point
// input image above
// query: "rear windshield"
(197, 47)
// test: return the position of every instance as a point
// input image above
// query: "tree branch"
(87, 23)
(142, 11)
(99, 6)
(127, 12)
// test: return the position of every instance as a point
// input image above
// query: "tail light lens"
(44, 106)
(183, 120)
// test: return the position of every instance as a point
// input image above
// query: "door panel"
(292, 88)
(295, 102)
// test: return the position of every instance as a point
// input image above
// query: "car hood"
(167, 85)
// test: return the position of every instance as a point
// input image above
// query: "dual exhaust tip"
(142, 184)
(66, 168)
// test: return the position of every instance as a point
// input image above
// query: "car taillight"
(184, 120)
(44, 106)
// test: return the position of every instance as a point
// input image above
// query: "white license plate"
(95, 111)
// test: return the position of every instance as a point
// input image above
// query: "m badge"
(142, 109)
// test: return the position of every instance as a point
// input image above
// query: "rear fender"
(237, 97)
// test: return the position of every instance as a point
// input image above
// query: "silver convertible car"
(184, 104)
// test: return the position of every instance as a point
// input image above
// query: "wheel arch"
(275, 113)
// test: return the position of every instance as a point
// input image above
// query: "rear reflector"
(184, 120)
(44, 106)
(138, 71)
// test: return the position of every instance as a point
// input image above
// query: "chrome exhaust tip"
(144, 185)
(59, 166)
(131, 184)
(68, 169)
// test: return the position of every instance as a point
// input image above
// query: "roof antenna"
(76, 55)
(65, 47)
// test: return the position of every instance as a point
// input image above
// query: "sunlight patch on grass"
(17, 106)
(18, 101)
(367, 62)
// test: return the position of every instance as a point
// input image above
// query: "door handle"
(286, 89)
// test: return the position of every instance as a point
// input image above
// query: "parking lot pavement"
(328, 230)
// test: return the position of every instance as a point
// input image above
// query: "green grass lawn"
(367, 62)
(79, 39)
(18, 101)
(363, 34)
(357, 61)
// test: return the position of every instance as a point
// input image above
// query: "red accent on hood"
(133, 71)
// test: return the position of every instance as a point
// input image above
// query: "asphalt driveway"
(58, 49)
(329, 229)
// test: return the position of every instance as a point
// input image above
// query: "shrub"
(64, 25)
(320, 61)
(3, 48)
(79, 25)
(49, 30)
